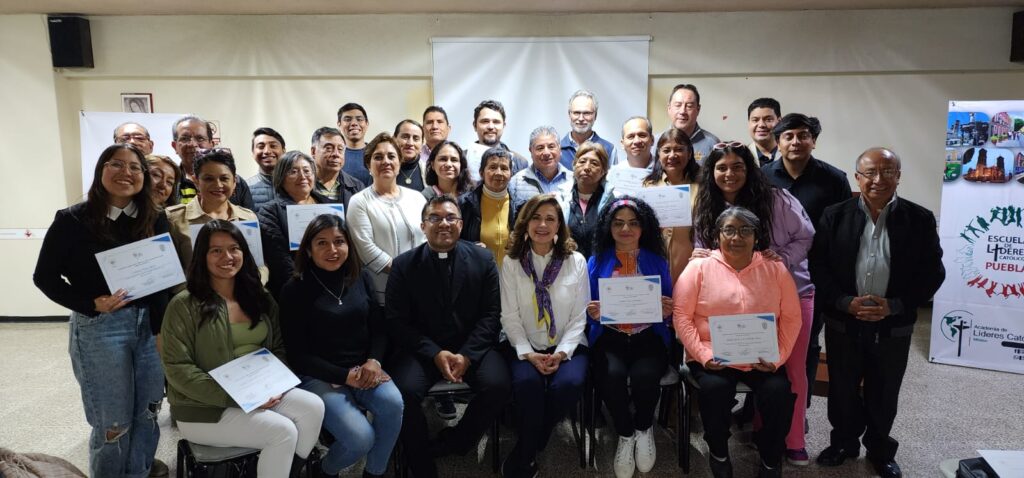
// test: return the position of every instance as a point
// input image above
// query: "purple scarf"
(541, 296)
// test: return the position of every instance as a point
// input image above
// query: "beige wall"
(873, 77)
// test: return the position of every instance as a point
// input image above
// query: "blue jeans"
(355, 436)
(115, 361)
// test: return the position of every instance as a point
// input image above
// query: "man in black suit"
(875, 260)
(443, 307)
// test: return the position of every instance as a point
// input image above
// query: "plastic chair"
(201, 461)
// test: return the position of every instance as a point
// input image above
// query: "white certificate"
(253, 378)
(670, 203)
(300, 215)
(250, 231)
(627, 180)
(742, 339)
(630, 300)
(142, 267)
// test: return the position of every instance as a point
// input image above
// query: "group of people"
(477, 265)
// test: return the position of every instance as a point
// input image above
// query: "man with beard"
(582, 116)
(489, 123)
(331, 181)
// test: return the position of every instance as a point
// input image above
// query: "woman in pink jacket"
(734, 279)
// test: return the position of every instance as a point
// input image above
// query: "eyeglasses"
(119, 166)
(726, 145)
(205, 151)
(192, 139)
(297, 172)
(888, 173)
(745, 232)
(450, 219)
(124, 138)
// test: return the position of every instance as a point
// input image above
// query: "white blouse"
(383, 228)
(570, 293)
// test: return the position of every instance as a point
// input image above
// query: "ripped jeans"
(121, 378)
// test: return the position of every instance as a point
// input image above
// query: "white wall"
(873, 77)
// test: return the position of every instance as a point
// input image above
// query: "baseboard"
(37, 319)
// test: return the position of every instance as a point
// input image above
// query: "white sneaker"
(645, 452)
(625, 463)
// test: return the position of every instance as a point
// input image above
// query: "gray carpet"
(945, 412)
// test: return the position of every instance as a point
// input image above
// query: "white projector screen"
(97, 132)
(534, 77)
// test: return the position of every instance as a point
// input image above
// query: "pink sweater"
(762, 286)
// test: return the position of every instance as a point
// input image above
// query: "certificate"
(742, 339)
(250, 231)
(300, 215)
(142, 267)
(627, 180)
(630, 300)
(670, 203)
(253, 378)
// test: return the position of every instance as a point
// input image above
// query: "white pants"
(290, 428)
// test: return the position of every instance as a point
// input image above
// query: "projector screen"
(534, 78)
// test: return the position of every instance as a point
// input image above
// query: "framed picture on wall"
(136, 102)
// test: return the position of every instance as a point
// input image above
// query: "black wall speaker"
(1017, 40)
(70, 42)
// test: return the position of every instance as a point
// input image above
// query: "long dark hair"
(462, 183)
(650, 229)
(519, 240)
(678, 136)
(97, 203)
(755, 195)
(248, 289)
(303, 257)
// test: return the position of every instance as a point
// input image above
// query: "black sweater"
(67, 270)
(323, 339)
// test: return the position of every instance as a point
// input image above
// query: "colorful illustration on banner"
(967, 129)
(990, 252)
(953, 165)
(987, 165)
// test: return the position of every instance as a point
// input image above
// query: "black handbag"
(975, 468)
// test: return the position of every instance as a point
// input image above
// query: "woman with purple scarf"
(544, 295)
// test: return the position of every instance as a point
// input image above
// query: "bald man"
(875, 260)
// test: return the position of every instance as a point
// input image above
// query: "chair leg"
(496, 453)
(592, 411)
(686, 416)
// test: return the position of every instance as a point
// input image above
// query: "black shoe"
(765, 472)
(835, 455)
(445, 408)
(511, 468)
(720, 469)
(158, 469)
(886, 468)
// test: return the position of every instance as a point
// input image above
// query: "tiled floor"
(945, 412)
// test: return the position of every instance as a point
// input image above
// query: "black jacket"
(277, 255)
(582, 225)
(469, 204)
(915, 271)
(419, 321)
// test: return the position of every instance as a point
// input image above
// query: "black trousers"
(814, 350)
(489, 378)
(773, 398)
(881, 363)
(642, 358)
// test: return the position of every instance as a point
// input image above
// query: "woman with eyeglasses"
(544, 294)
(487, 211)
(736, 278)
(589, 170)
(294, 183)
(675, 166)
(225, 314)
(447, 171)
(215, 182)
(112, 345)
(335, 336)
(165, 175)
(629, 359)
(731, 177)
(384, 217)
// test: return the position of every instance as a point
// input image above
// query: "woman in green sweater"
(225, 313)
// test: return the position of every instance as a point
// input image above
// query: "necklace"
(408, 177)
(338, 296)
